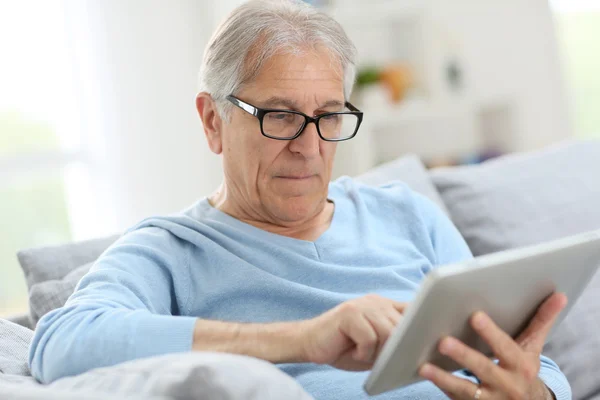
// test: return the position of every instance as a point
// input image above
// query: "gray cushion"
(174, 376)
(16, 387)
(408, 169)
(524, 199)
(531, 198)
(14, 347)
(575, 346)
(54, 263)
(22, 319)
(52, 294)
(193, 375)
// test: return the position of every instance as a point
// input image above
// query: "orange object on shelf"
(397, 79)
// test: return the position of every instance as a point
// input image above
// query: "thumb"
(534, 336)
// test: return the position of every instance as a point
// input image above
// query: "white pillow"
(194, 376)
(14, 348)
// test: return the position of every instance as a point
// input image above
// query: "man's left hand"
(516, 374)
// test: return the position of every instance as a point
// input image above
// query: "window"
(578, 28)
(39, 142)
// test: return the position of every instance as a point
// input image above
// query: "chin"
(292, 201)
(297, 208)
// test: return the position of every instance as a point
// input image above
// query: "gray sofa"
(509, 202)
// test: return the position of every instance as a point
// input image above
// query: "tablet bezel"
(582, 251)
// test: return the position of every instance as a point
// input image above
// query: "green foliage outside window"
(579, 40)
(33, 208)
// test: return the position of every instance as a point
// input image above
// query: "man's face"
(283, 181)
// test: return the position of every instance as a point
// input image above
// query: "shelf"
(374, 104)
(431, 130)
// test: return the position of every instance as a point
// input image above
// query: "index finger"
(363, 334)
(503, 346)
(534, 336)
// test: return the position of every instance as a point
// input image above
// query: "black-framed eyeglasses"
(288, 124)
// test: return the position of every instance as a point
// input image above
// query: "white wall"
(221, 8)
(514, 97)
(511, 53)
(146, 143)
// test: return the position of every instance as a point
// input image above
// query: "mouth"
(295, 177)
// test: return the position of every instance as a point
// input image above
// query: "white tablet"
(509, 286)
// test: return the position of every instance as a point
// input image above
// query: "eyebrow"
(275, 101)
(333, 103)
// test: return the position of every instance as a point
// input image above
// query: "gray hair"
(259, 29)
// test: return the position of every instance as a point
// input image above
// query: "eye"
(331, 118)
(280, 116)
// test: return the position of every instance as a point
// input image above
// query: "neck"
(310, 228)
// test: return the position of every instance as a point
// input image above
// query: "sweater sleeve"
(125, 308)
(554, 379)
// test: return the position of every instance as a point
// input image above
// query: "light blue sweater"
(143, 295)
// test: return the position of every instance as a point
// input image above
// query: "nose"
(307, 144)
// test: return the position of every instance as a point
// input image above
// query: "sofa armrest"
(20, 319)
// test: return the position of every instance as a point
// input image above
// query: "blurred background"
(98, 127)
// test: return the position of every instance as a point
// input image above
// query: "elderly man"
(279, 263)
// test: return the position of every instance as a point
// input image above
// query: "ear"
(211, 121)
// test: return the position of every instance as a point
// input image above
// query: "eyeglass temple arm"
(244, 106)
(351, 107)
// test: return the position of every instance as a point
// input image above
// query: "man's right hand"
(351, 335)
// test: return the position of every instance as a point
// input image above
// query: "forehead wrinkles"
(306, 79)
(287, 60)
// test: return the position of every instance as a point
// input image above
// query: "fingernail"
(427, 371)
(447, 346)
(479, 320)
